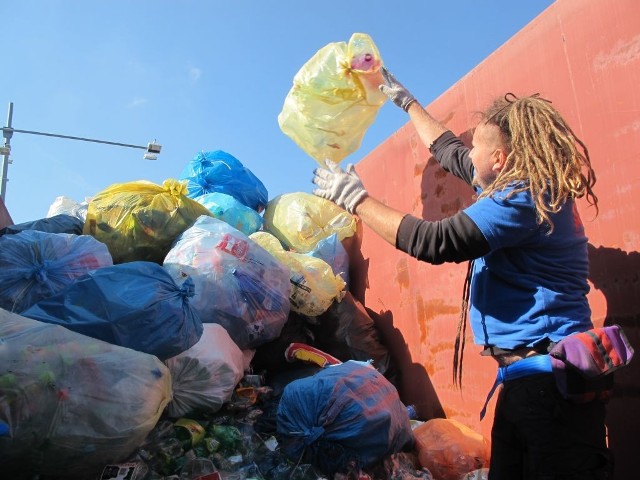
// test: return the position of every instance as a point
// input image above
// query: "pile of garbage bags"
(147, 333)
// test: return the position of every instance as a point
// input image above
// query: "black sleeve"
(453, 239)
(453, 156)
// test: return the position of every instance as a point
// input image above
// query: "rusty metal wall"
(584, 55)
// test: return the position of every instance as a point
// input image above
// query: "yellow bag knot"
(175, 187)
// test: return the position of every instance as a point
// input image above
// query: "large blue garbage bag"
(35, 265)
(346, 413)
(134, 304)
(219, 171)
(61, 223)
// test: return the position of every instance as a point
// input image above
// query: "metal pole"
(7, 133)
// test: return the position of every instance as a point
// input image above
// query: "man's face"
(488, 154)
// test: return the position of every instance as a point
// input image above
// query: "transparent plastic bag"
(238, 284)
(140, 220)
(72, 403)
(204, 376)
(334, 99)
(300, 220)
(36, 265)
(314, 286)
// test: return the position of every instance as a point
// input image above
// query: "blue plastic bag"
(344, 414)
(135, 305)
(218, 171)
(61, 223)
(35, 265)
(230, 210)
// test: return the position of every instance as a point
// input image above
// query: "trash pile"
(143, 336)
(198, 330)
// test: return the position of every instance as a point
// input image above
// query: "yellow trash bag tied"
(138, 221)
(300, 220)
(334, 99)
(314, 286)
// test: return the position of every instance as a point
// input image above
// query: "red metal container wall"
(584, 55)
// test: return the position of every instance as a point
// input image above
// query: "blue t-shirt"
(532, 285)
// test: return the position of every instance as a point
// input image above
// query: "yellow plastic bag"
(450, 449)
(140, 220)
(300, 220)
(334, 99)
(314, 286)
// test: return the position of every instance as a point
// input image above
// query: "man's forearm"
(382, 219)
(428, 128)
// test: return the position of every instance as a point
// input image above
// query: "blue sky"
(202, 75)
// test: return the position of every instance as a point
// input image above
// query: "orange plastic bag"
(449, 449)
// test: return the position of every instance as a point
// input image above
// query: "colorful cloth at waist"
(522, 368)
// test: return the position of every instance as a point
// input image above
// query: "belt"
(522, 368)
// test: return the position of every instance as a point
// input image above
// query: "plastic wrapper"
(314, 286)
(58, 224)
(300, 220)
(334, 99)
(135, 305)
(236, 214)
(205, 376)
(345, 414)
(36, 265)
(219, 171)
(72, 403)
(238, 284)
(450, 449)
(140, 220)
(68, 206)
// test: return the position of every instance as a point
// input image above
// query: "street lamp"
(152, 149)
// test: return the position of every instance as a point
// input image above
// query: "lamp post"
(152, 149)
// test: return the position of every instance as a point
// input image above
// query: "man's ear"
(499, 159)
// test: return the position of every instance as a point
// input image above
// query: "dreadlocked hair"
(545, 156)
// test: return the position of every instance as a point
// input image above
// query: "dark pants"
(538, 435)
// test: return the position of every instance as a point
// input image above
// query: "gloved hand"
(396, 92)
(343, 188)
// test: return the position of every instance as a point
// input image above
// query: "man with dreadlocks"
(527, 282)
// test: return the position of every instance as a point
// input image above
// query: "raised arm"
(428, 128)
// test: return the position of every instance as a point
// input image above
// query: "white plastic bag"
(205, 376)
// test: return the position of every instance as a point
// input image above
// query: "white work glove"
(396, 92)
(343, 188)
